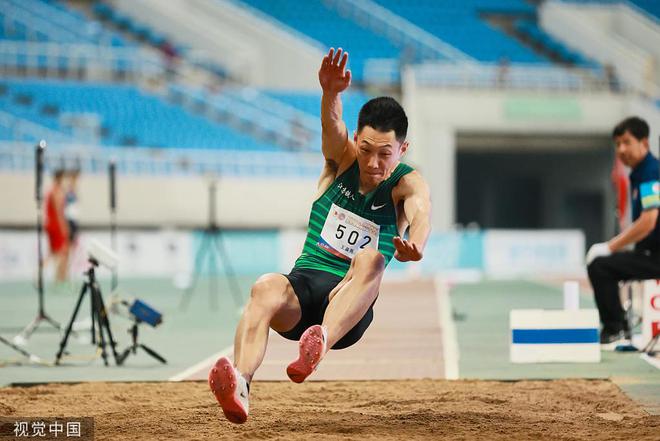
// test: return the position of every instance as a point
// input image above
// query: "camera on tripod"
(140, 312)
(100, 254)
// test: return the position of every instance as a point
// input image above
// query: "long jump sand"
(360, 410)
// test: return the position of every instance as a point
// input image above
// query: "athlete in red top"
(56, 226)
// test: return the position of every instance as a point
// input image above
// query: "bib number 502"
(353, 236)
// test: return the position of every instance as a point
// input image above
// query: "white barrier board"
(543, 336)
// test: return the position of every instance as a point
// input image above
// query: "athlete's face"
(377, 154)
(631, 150)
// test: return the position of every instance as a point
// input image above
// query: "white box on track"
(561, 336)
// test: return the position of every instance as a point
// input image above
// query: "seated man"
(366, 200)
(607, 263)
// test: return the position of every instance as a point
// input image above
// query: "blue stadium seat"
(456, 22)
(51, 21)
(127, 115)
(316, 20)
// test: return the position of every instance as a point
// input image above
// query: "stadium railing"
(42, 21)
(19, 156)
(20, 128)
(493, 76)
(90, 62)
(248, 109)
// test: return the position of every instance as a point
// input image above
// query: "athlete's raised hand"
(332, 74)
(406, 251)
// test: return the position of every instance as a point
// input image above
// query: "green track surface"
(184, 338)
(482, 325)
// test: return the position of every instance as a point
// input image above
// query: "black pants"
(312, 288)
(605, 273)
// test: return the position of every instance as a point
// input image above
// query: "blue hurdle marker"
(562, 336)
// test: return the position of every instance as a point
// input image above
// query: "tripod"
(210, 243)
(100, 320)
(112, 172)
(135, 345)
(41, 313)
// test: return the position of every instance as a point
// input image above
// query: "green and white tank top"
(343, 221)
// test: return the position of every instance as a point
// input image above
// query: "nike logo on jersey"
(377, 207)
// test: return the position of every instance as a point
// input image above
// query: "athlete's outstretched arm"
(334, 79)
(417, 209)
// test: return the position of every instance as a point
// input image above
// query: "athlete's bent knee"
(268, 293)
(370, 260)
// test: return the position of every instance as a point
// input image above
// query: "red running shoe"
(230, 389)
(312, 348)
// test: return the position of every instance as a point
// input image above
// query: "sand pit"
(374, 410)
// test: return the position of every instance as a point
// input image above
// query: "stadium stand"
(251, 111)
(234, 116)
(509, 27)
(538, 37)
(126, 115)
(119, 114)
(309, 103)
(51, 21)
(322, 23)
(459, 24)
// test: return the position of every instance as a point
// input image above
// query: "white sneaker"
(230, 389)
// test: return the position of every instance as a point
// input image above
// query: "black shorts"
(312, 288)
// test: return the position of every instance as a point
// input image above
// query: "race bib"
(345, 233)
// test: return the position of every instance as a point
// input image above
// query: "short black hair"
(384, 114)
(58, 173)
(635, 125)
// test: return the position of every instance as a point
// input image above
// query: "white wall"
(175, 201)
(518, 111)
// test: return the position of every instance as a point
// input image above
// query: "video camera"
(102, 254)
(145, 313)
